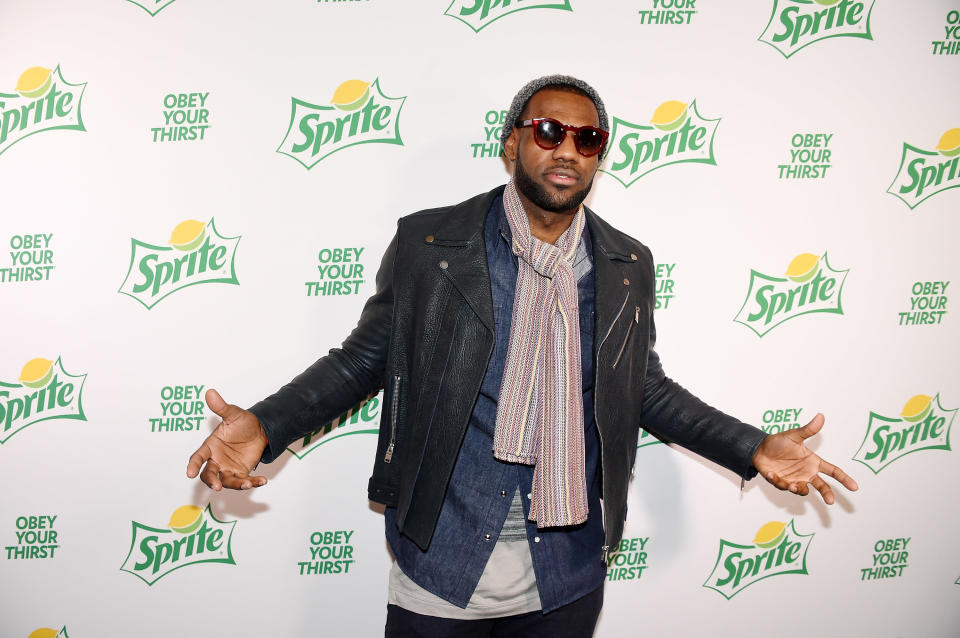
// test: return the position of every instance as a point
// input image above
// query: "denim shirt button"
(536, 539)
(486, 536)
(503, 492)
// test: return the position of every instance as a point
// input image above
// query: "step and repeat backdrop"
(197, 194)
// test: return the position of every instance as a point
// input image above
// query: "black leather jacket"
(426, 336)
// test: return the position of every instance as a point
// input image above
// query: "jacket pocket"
(626, 337)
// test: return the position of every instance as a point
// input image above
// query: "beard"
(563, 201)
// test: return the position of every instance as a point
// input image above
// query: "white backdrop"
(99, 191)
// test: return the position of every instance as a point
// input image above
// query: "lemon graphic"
(37, 373)
(770, 534)
(43, 632)
(917, 408)
(34, 82)
(803, 267)
(949, 144)
(670, 115)
(351, 95)
(187, 235)
(827, 3)
(185, 519)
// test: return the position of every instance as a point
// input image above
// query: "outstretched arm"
(788, 464)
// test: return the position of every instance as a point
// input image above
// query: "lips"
(562, 176)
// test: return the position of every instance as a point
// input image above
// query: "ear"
(510, 145)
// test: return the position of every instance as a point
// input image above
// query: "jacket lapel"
(459, 237)
(611, 261)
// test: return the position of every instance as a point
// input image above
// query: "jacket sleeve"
(338, 381)
(672, 413)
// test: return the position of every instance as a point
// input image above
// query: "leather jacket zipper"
(605, 550)
(623, 346)
(394, 408)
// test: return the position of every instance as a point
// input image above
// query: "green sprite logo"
(646, 439)
(43, 101)
(924, 424)
(795, 24)
(192, 536)
(46, 632)
(153, 7)
(195, 254)
(46, 391)
(360, 419)
(677, 134)
(923, 173)
(477, 14)
(360, 114)
(777, 549)
(810, 285)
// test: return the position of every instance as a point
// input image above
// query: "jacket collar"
(462, 227)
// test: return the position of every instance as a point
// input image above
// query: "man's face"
(559, 179)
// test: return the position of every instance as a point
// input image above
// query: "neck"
(545, 225)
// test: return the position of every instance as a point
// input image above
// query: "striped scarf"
(540, 409)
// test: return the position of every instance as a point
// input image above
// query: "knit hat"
(521, 99)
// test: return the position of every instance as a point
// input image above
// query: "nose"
(567, 148)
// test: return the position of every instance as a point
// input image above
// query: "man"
(506, 331)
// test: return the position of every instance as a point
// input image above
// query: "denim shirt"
(567, 561)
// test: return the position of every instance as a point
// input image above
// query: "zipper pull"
(636, 316)
(389, 454)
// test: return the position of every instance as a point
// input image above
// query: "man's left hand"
(788, 464)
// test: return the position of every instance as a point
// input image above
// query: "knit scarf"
(540, 408)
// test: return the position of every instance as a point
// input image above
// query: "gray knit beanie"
(521, 99)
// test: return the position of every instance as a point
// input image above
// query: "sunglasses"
(549, 134)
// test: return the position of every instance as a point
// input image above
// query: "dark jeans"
(576, 620)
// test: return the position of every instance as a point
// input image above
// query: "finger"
(845, 479)
(811, 428)
(824, 489)
(216, 403)
(777, 481)
(197, 459)
(241, 480)
(211, 476)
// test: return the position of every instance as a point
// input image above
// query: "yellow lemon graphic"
(37, 373)
(917, 408)
(670, 115)
(351, 95)
(770, 534)
(43, 632)
(188, 235)
(949, 144)
(803, 267)
(34, 82)
(185, 519)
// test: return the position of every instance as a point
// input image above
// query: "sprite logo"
(46, 632)
(46, 391)
(810, 285)
(777, 549)
(360, 114)
(646, 439)
(923, 173)
(43, 101)
(677, 133)
(796, 23)
(195, 254)
(477, 14)
(152, 7)
(360, 419)
(924, 424)
(192, 536)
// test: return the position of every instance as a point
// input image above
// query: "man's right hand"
(232, 450)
